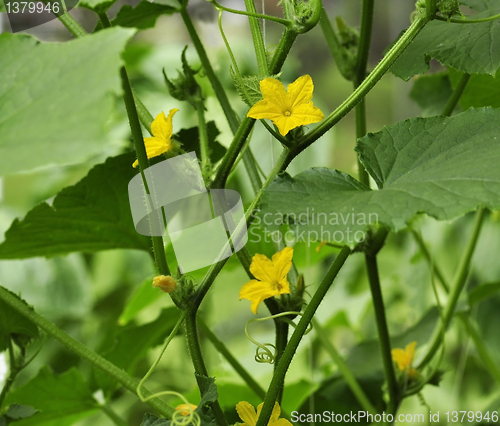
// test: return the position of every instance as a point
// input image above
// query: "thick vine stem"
(383, 331)
(359, 76)
(293, 344)
(455, 290)
(222, 349)
(199, 364)
(356, 97)
(84, 352)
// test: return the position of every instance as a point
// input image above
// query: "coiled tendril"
(263, 353)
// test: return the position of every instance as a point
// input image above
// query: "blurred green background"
(86, 294)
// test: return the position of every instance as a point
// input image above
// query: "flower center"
(288, 113)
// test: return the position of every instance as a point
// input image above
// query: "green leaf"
(98, 6)
(190, 140)
(444, 167)
(469, 48)
(14, 325)
(92, 215)
(481, 90)
(483, 292)
(151, 420)
(252, 87)
(18, 412)
(62, 400)
(431, 93)
(144, 296)
(48, 117)
(142, 16)
(117, 348)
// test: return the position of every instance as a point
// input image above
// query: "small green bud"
(184, 87)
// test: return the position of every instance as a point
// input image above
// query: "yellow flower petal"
(271, 277)
(282, 262)
(300, 91)
(162, 127)
(287, 109)
(404, 358)
(246, 413)
(275, 415)
(256, 292)
(262, 268)
(184, 409)
(162, 130)
(274, 92)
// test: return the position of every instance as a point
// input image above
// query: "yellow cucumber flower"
(404, 359)
(165, 283)
(271, 277)
(249, 416)
(162, 130)
(287, 109)
(185, 409)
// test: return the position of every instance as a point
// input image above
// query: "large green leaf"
(14, 325)
(117, 348)
(92, 215)
(56, 98)
(143, 16)
(62, 400)
(470, 48)
(444, 167)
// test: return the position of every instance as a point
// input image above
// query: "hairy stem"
(356, 97)
(360, 74)
(293, 344)
(84, 352)
(199, 364)
(383, 331)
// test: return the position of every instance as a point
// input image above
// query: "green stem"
(456, 95)
(199, 364)
(331, 38)
(222, 349)
(431, 8)
(258, 40)
(293, 344)
(251, 14)
(356, 97)
(435, 269)
(282, 51)
(252, 170)
(232, 153)
(383, 332)
(481, 348)
(140, 150)
(209, 72)
(455, 290)
(72, 25)
(84, 352)
(349, 378)
(360, 75)
(468, 21)
(202, 129)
